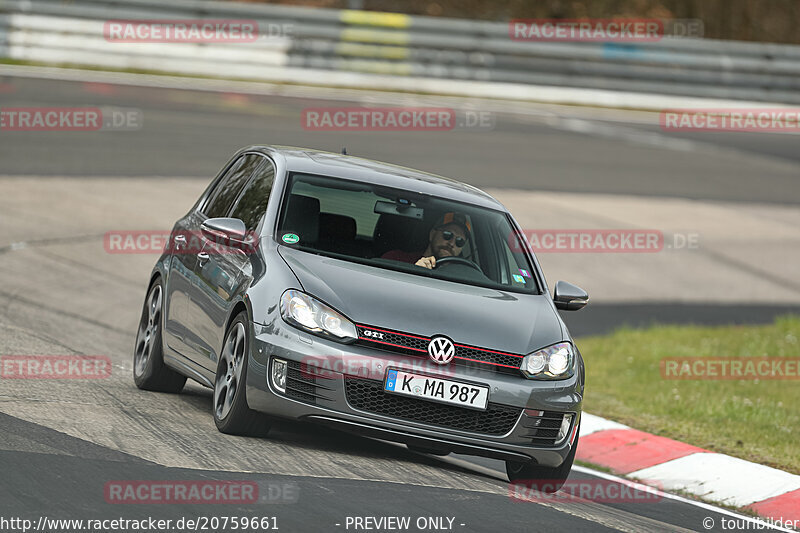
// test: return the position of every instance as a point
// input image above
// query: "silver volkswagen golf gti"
(371, 298)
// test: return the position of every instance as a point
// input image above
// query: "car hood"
(478, 316)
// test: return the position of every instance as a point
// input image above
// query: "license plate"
(436, 389)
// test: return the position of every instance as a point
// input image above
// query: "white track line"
(708, 507)
(760, 525)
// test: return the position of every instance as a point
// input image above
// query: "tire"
(542, 478)
(231, 413)
(149, 371)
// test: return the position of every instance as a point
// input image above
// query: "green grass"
(756, 420)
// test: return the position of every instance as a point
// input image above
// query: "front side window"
(398, 230)
(231, 184)
(252, 204)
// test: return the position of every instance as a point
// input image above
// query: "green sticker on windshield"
(291, 238)
(519, 279)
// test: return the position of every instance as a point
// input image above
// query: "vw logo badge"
(441, 350)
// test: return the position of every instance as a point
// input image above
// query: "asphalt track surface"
(62, 441)
(188, 133)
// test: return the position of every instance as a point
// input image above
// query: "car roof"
(323, 163)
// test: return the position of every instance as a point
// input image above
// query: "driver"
(446, 239)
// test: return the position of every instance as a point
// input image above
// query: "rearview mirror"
(569, 297)
(404, 209)
(224, 230)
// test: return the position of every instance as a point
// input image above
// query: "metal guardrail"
(4, 52)
(345, 41)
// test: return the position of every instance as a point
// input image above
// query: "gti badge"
(441, 350)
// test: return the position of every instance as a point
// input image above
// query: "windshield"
(398, 230)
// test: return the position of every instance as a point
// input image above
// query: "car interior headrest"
(398, 232)
(302, 217)
(336, 228)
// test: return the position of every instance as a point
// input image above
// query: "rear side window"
(252, 204)
(231, 185)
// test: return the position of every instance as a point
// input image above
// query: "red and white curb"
(673, 465)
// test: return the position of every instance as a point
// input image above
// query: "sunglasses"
(447, 235)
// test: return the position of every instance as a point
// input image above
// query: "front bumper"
(341, 386)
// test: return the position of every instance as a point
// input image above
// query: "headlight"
(302, 311)
(553, 362)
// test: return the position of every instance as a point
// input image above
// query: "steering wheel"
(451, 260)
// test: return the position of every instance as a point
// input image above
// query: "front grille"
(368, 395)
(500, 359)
(417, 346)
(303, 384)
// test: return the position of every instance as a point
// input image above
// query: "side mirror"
(569, 297)
(224, 230)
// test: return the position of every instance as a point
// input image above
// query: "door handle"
(180, 240)
(202, 257)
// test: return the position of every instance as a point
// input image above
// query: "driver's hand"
(427, 262)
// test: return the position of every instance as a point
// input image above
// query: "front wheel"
(149, 370)
(542, 478)
(231, 413)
